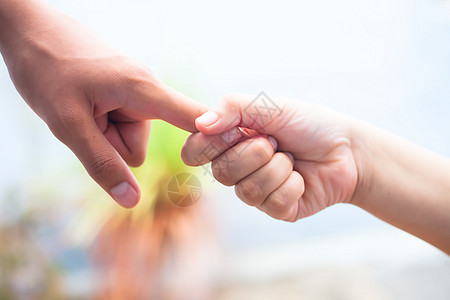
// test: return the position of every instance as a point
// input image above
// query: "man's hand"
(95, 100)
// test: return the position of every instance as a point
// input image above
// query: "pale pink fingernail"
(208, 118)
(231, 136)
(125, 194)
(291, 157)
(274, 142)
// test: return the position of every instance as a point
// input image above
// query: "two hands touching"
(289, 163)
(99, 102)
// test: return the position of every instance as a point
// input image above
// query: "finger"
(200, 149)
(165, 103)
(79, 131)
(130, 140)
(283, 203)
(256, 113)
(255, 188)
(243, 159)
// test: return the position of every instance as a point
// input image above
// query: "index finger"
(200, 148)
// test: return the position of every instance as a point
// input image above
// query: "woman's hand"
(312, 168)
(335, 159)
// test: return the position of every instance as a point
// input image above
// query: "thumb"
(257, 113)
(103, 163)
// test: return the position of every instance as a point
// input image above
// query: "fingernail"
(231, 136)
(291, 157)
(274, 142)
(125, 194)
(208, 118)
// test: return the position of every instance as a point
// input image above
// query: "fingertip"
(293, 212)
(126, 195)
(186, 158)
(186, 151)
(300, 182)
(274, 142)
(291, 157)
(183, 155)
(206, 120)
(212, 122)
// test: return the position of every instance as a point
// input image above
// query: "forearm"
(22, 21)
(33, 28)
(403, 184)
(36, 37)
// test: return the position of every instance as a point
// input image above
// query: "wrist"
(361, 136)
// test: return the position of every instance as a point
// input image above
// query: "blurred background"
(383, 61)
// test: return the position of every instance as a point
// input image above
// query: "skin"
(335, 159)
(94, 98)
(98, 102)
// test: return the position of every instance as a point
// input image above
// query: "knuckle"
(278, 205)
(101, 166)
(250, 192)
(187, 151)
(290, 219)
(261, 150)
(278, 201)
(232, 102)
(136, 74)
(300, 183)
(290, 215)
(231, 98)
(222, 172)
(196, 150)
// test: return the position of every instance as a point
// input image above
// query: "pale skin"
(99, 102)
(335, 159)
(94, 98)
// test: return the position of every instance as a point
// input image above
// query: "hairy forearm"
(403, 184)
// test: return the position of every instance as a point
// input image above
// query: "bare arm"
(334, 159)
(403, 184)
